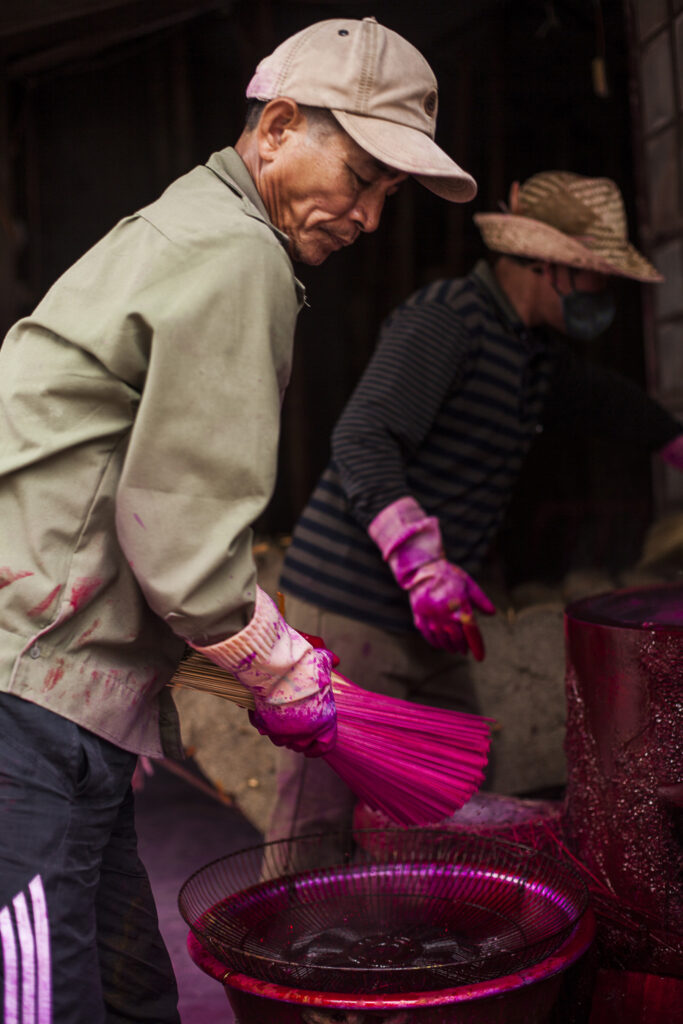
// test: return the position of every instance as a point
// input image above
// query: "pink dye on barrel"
(623, 815)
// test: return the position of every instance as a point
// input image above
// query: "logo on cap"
(429, 103)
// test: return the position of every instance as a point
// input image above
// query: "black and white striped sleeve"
(419, 360)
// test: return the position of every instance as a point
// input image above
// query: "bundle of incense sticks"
(416, 764)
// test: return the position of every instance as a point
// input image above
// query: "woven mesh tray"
(425, 909)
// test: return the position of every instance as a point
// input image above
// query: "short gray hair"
(320, 120)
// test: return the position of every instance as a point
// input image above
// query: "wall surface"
(656, 43)
(103, 104)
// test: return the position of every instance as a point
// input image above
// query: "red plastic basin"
(525, 997)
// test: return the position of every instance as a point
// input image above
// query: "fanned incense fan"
(416, 764)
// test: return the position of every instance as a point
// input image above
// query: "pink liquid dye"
(624, 745)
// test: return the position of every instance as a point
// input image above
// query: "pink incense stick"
(416, 764)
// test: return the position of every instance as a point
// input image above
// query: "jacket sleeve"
(589, 400)
(201, 459)
(419, 359)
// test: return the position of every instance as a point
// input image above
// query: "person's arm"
(420, 359)
(200, 468)
(588, 400)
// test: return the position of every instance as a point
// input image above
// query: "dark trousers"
(79, 935)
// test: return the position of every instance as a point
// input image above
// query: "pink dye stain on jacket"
(82, 591)
(8, 576)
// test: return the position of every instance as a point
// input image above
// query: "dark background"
(103, 103)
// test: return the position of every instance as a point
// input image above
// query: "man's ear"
(279, 119)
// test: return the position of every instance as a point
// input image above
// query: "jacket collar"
(228, 165)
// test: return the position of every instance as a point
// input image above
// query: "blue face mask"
(586, 314)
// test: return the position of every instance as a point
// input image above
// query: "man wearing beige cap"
(428, 449)
(139, 410)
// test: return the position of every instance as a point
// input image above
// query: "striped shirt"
(446, 412)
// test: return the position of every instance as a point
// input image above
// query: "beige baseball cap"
(380, 89)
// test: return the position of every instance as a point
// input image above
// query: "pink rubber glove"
(290, 680)
(317, 641)
(442, 595)
(673, 452)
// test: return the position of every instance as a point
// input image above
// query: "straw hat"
(567, 218)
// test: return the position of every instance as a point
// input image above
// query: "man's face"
(573, 279)
(323, 190)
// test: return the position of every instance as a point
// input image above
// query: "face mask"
(587, 314)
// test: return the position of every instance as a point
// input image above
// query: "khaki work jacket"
(139, 422)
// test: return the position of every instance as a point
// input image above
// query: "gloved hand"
(290, 680)
(317, 641)
(673, 452)
(441, 594)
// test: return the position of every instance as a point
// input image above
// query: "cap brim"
(409, 150)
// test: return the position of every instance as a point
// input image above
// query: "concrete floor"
(180, 829)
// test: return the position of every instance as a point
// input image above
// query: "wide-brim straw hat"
(379, 88)
(560, 217)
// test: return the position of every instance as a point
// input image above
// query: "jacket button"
(35, 651)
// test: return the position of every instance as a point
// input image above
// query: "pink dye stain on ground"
(43, 605)
(8, 576)
(137, 519)
(82, 590)
(54, 675)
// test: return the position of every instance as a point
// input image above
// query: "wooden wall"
(656, 47)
